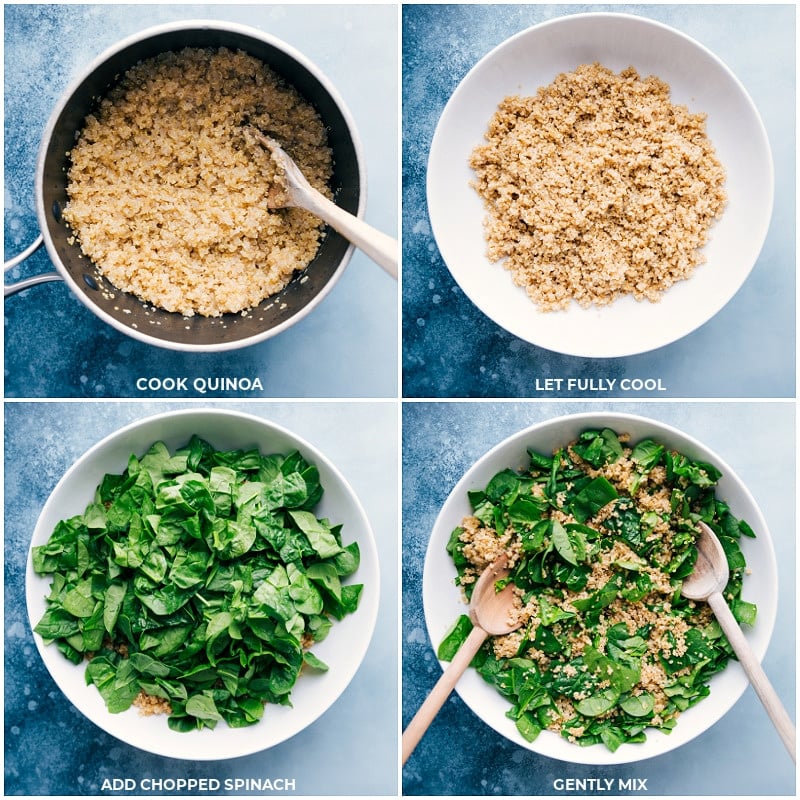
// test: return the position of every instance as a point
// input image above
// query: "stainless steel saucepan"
(125, 312)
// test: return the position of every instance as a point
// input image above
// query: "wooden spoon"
(491, 613)
(299, 193)
(707, 582)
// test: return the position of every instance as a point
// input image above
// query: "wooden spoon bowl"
(493, 614)
(707, 582)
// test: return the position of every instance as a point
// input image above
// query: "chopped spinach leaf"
(200, 577)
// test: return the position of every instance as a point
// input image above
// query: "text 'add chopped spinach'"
(600, 536)
(196, 583)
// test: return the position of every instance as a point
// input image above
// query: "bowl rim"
(521, 439)
(633, 345)
(187, 749)
(149, 33)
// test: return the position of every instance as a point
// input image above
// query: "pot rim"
(148, 33)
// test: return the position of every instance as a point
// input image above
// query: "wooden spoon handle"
(441, 691)
(382, 249)
(758, 678)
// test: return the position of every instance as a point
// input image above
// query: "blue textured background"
(741, 754)
(55, 347)
(51, 749)
(450, 349)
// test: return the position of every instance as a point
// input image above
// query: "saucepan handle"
(45, 277)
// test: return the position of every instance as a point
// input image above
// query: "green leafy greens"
(200, 579)
(601, 535)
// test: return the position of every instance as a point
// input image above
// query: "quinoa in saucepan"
(170, 202)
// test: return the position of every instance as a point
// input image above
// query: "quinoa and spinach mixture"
(196, 583)
(599, 537)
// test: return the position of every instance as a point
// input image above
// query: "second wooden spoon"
(707, 582)
(492, 614)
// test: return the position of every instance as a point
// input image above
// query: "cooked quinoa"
(596, 187)
(169, 199)
(149, 705)
(598, 538)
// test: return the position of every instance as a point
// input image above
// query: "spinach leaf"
(595, 495)
(570, 543)
(454, 638)
(597, 704)
(504, 487)
(318, 532)
(598, 447)
(638, 705)
(698, 473)
(647, 454)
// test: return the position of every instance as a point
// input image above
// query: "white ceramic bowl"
(698, 79)
(343, 649)
(443, 603)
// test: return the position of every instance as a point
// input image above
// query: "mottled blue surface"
(51, 749)
(450, 349)
(741, 754)
(55, 347)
